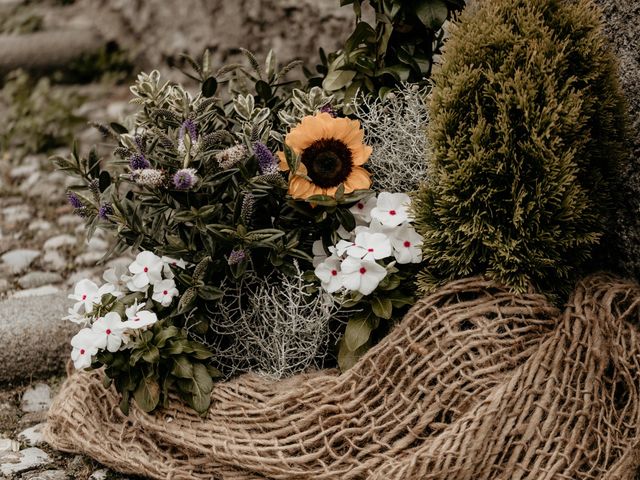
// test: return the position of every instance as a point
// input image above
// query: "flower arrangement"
(261, 197)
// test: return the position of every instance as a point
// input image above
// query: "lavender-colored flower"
(185, 179)
(74, 200)
(138, 162)
(105, 210)
(236, 256)
(190, 126)
(328, 109)
(267, 163)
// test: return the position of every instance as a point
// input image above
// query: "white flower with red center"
(109, 330)
(138, 318)
(342, 246)
(370, 246)
(362, 210)
(146, 270)
(87, 294)
(84, 348)
(362, 276)
(164, 291)
(329, 274)
(392, 209)
(407, 245)
(172, 262)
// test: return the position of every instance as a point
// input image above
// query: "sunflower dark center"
(329, 162)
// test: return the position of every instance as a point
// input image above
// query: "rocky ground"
(43, 252)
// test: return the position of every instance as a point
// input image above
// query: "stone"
(38, 279)
(46, 475)
(53, 260)
(69, 220)
(35, 338)
(96, 243)
(16, 213)
(36, 292)
(32, 436)
(27, 459)
(19, 260)
(39, 225)
(36, 398)
(156, 31)
(101, 474)
(8, 445)
(60, 241)
(4, 285)
(89, 259)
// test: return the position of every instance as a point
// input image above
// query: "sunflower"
(331, 152)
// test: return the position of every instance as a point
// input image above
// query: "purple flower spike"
(185, 179)
(190, 126)
(329, 109)
(236, 256)
(105, 210)
(138, 162)
(267, 163)
(74, 200)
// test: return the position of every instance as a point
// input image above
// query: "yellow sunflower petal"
(300, 187)
(361, 154)
(311, 128)
(358, 179)
(284, 166)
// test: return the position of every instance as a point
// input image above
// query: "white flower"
(370, 246)
(362, 276)
(344, 234)
(146, 269)
(392, 209)
(138, 318)
(109, 330)
(407, 245)
(362, 210)
(172, 262)
(88, 294)
(116, 277)
(164, 291)
(319, 254)
(75, 317)
(342, 247)
(329, 274)
(84, 347)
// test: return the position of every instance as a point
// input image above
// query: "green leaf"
(348, 358)
(182, 367)
(357, 333)
(382, 307)
(147, 395)
(263, 89)
(209, 87)
(201, 397)
(118, 128)
(164, 335)
(210, 293)
(432, 13)
(338, 79)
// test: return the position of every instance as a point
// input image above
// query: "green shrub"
(525, 132)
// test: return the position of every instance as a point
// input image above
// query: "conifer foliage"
(525, 127)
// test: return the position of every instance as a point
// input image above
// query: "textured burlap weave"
(475, 383)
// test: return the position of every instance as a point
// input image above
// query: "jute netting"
(474, 383)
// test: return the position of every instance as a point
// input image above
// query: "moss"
(525, 130)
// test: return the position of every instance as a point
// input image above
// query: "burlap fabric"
(475, 383)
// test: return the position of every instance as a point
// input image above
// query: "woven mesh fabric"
(474, 383)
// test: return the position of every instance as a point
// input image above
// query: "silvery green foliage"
(273, 326)
(396, 129)
(304, 103)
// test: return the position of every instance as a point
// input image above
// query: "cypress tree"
(525, 132)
